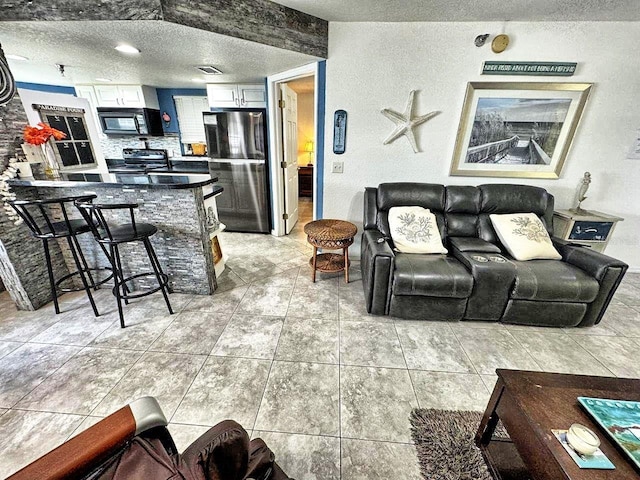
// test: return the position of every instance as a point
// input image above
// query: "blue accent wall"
(41, 87)
(165, 100)
(322, 82)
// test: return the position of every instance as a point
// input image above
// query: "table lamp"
(308, 147)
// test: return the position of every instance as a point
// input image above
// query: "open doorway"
(293, 104)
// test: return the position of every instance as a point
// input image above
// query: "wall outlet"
(338, 167)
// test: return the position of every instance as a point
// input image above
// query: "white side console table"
(588, 227)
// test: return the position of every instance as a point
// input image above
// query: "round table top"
(330, 229)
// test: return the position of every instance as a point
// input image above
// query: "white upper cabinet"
(190, 119)
(252, 96)
(225, 95)
(126, 96)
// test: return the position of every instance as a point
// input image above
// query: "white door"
(290, 154)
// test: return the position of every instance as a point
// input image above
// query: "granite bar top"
(95, 180)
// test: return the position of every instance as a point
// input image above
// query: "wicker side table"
(331, 235)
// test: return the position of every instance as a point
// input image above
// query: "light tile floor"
(302, 365)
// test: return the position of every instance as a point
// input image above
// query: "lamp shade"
(308, 147)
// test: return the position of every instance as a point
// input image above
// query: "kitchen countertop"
(96, 181)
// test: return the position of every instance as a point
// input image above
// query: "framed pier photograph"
(517, 129)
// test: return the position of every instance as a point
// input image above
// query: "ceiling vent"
(209, 70)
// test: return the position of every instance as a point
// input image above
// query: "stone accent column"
(22, 263)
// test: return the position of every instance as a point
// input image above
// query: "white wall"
(374, 65)
(305, 127)
(29, 97)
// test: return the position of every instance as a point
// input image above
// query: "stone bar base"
(182, 243)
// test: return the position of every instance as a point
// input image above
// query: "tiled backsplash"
(112, 146)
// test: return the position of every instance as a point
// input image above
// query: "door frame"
(275, 139)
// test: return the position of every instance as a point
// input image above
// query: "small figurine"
(582, 192)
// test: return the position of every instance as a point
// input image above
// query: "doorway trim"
(275, 139)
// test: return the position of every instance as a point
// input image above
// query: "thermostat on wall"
(339, 131)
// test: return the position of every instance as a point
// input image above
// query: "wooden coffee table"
(330, 234)
(529, 405)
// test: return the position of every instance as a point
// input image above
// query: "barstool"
(39, 216)
(115, 235)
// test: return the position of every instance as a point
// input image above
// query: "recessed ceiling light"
(20, 58)
(100, 79)
(124, 48)
(199, 80)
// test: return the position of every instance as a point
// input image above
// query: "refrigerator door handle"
(237, 162)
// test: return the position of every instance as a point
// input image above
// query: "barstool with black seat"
(115, 235)
(40, 217)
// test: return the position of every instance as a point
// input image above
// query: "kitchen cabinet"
(125, 96)
(190, 122)
(87, 92)
(231, 95)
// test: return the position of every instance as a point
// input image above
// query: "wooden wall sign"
(551, 69)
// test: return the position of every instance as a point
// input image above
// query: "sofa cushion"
(415, 230)
(506, 198)
(553, 281)
(524, 236)
(425, 195)
(461, 210)
(431, 275)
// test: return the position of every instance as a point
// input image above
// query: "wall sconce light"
(166, 118)
(308, 147)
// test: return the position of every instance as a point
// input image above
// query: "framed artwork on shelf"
(517, 129)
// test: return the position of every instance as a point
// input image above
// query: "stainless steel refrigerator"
(237, 146)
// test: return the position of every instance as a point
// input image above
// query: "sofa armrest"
(594, 263)
(377, 265)
(606, 270)
(493, 279)
(473, 244)
(79, 455)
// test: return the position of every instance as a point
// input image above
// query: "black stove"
(142, 160)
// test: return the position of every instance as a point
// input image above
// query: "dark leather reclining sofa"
(477, 279)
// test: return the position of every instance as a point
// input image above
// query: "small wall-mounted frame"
(339, 132)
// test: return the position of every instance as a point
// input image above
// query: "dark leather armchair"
(134, 443)
(478, 280)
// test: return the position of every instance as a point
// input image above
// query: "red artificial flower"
(41, 134)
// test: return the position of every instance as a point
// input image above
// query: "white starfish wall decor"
(405, 122)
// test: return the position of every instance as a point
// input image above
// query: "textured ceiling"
(303, 85)
(468, 10)
(169, 53)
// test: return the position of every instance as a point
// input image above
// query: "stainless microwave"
(131, 121)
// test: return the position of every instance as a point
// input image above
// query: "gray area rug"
(444, 441)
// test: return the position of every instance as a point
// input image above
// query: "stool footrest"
(92, 283)
(130, 296)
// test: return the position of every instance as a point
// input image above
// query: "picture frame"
(517, 129)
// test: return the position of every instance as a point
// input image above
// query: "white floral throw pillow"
(415, 230)
(524, 236)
